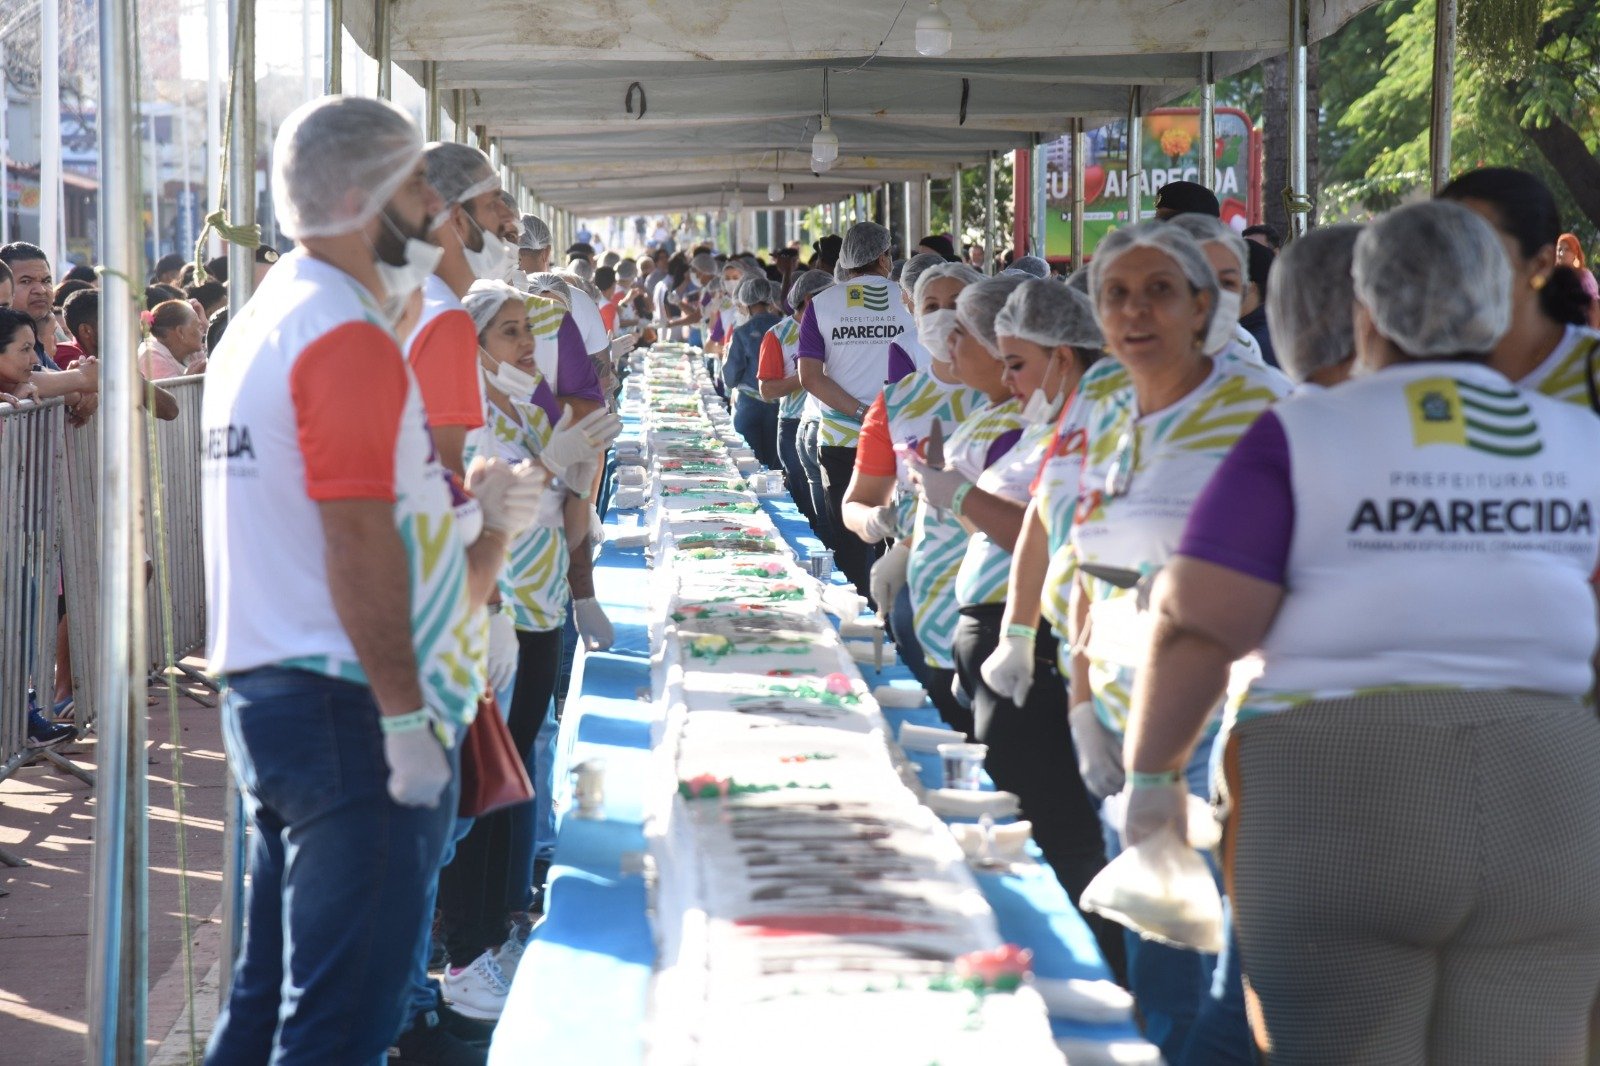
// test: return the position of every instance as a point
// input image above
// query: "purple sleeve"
(811, 344)
(1244, 517)
(717, 336)
(575, 375)
(1002, 444)
(900, 364)
(546, 400)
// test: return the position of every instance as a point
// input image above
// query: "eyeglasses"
(1124, 461)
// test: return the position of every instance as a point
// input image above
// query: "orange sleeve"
(444, 357)
(875, 449)
(770, 366)
(349, 393)
(608, 316)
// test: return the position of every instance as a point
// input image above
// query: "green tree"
(1536, 107)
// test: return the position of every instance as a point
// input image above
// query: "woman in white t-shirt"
(1413, 813)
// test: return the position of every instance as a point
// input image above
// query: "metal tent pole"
(1442, 110)
(155, 187)
(460, 116)
(241, 282)
(5, 149)
(1080, 145)
(118, 928)
(905, 218)
(956, 220)
(1298, 220)
(50, 123)
(382, 45)
(1135, 153)
(430, 87)
(332, 47)
(1208, 121)
(1039, 222)
(925, 222)
(988, 220)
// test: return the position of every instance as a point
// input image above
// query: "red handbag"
(492, 773)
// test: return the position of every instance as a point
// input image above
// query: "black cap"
(786, 253)
(1187, 198)
(581, 248)
(940, 245)
(828, 247)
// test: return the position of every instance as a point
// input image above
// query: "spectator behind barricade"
(32, 290)
(177, 343)
(16, 356)
(1253, 305)
(1550, 347)
(1569, 253)
(7, 286)
(167, 269)
(1263, 235)
(67, 288)
(215, 327)
(1309, 304)
(210, 296)
(1412, 835)
(81, 314)
(83, 272)
(159, 293)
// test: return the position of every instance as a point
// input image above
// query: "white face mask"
(934, 329)
(495, 259)
(1220, 334)
(400, 281)
(1040, 408)
(511, 379)
(517, 278)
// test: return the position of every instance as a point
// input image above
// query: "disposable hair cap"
(336, 163)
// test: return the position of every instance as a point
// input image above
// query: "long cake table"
(593, 984)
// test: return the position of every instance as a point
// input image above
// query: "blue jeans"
(1169, 984)
(794, 474)
(811, 462)
(903, 628)
(340, 875)
(757, 422)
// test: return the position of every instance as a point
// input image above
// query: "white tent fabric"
(731, 90)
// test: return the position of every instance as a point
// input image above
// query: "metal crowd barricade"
(30, 575)
(178, 565)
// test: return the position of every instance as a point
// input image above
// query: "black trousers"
(473, 904)
(944, 700)
(851, 554)
(1031, 754)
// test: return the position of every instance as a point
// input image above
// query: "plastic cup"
(963, 765)
(822, 564)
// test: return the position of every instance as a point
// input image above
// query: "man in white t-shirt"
(843, 358)
(344, 575)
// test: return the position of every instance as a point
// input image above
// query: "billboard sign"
(1170, 152)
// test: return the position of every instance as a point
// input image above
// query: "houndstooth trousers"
(1416, 878)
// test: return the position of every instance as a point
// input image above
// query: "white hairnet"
(1049, 315)
(1435, 279)
(627, 270)
(754, 290)
(840, 272)
(485, 299)
(1079, 279)
(808, 285)
(913, 268)
(1308, 302)
(1031, 265)
(583, 268)
(864, 244)
(337, 161)
(535, 234)
(1208, 230)
(704, 263)
(979, 304)
(960, 271)
(1172, 241)
(459, 171)
(551, 286)
(577, 281)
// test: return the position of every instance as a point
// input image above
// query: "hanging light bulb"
(735, 203)
(774, 192)
(822, 166)
(934, 34)
(825, 143)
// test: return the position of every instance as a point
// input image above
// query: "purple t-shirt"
(1244, 518)
(575, 373)
(900, 364)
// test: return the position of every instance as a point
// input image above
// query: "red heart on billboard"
(1094, 183)
(1232, 209)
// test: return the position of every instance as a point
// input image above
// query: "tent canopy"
(732, 90)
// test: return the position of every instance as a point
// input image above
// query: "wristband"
(1159, 779)
(959, 497)
(861, 411)
(1016, 629)
(404, 723)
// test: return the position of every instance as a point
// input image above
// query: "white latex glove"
(1152, 808)
(503, 649)
(621, 346)
(883, 523)
(508, 495)
(1008, 670)
(889, 576)
(597, 527)
(418, 770)
(594, 628)
(579, 440)
(938, 486)
(1099, 751)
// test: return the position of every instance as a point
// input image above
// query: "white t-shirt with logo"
(848, 328)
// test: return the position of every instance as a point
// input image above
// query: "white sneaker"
(478, 991)
(507, 955)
